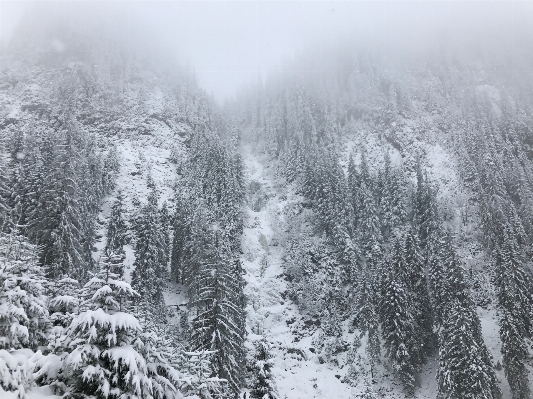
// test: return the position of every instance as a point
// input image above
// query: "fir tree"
(398, 322)
(23, 311)
(465, 370)
(420, 300)
(263, 385)
(149, 275)
(516, 306)
(111, 357)
(219, 323)
(117, 228)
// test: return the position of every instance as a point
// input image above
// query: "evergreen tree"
(465, 368)
(56, 221)
(219, 323)
(515, 355)
(420, 300)
(516, 305)
(398, 322)
(149, 275)
(183, 220)
(117, 228)
(263, 385)
(116, 237)
(64, 305)
(23, 310)
(110, 356)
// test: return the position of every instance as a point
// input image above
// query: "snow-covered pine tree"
(366, 309)
(465, 367)
(263, 385)
(150, 269)
(515, 355)
(465, 370)
(116, 235)
(63, 306)
(111, 167)
(219, 304)
(165, 222)
(516, 307)
(198, 375)
(425, 213)
(398, 321)
(391, 197)
(420, 301)
(117, 228)
(183, 220)
(56, 222)
(110, 357)
(23, 311)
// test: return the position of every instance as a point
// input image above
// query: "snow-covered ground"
(297, 371)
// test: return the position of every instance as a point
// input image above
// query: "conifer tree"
(420, 300)
(516, 306)
(64, 305)
(110, 356)
(219, 323)
(398, 322)
(116, 236)
(263, 385)
(23, 310)
(149, 275)
(465, 368)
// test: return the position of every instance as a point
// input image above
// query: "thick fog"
(230, 43)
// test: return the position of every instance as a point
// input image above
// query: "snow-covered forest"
(356, 224)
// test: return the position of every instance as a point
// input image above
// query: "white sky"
(229, 42)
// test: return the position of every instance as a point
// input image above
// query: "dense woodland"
(374, 247)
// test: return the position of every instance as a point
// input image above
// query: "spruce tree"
(110, 356)
(263, 385)
(516, 306)
(149, 275)
(398, 322)
(416, 281)
(116, 236)
(23, 308)
(465, 367)
(117, 229)
(465, 370)
(219, 323)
